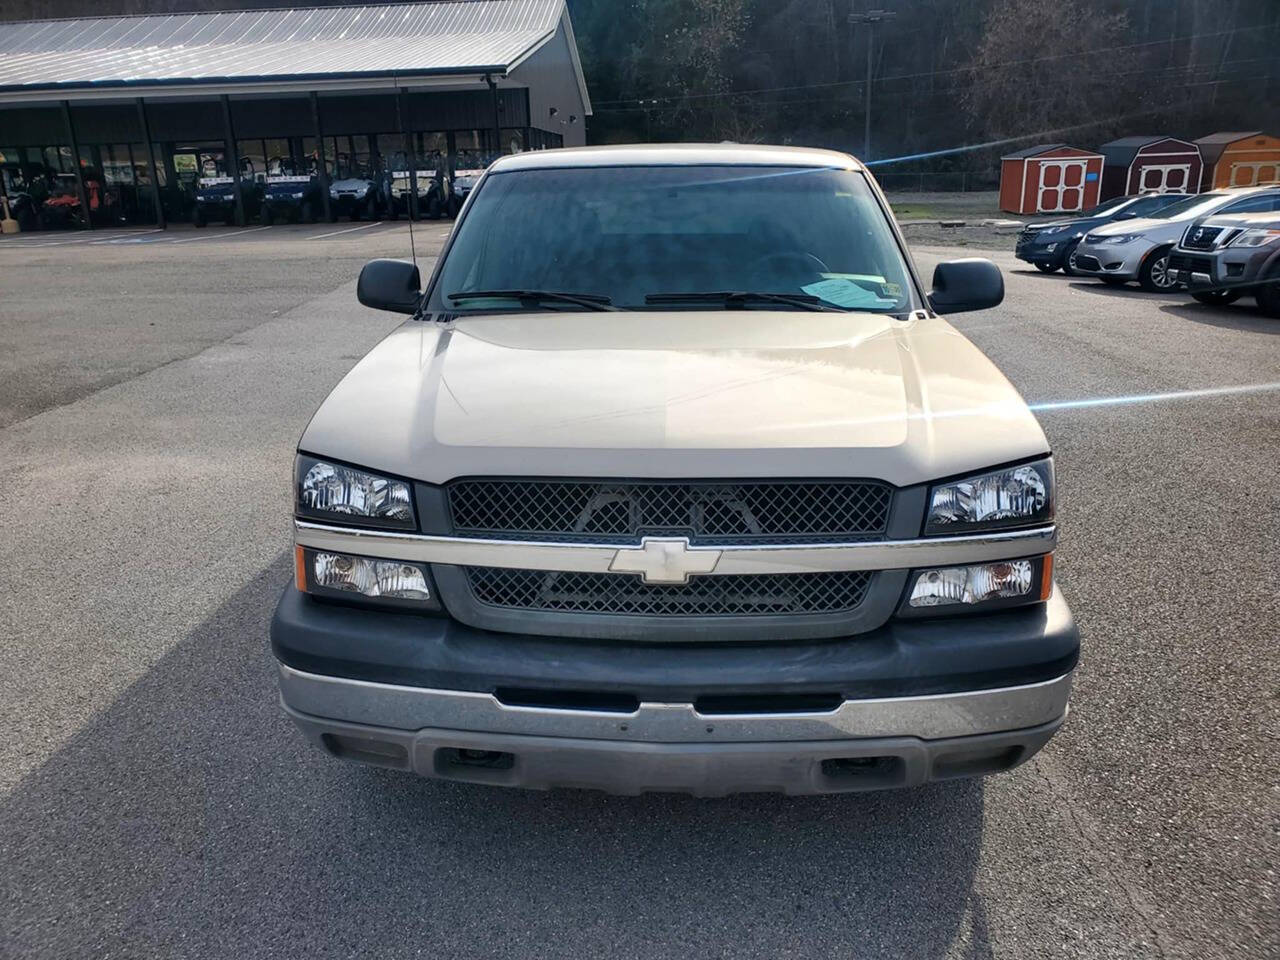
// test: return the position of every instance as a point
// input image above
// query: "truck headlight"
(1257, 237)
(981, 586)
(331, 491)
(1014, 496)
(393, 583)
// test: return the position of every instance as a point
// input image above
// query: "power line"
(934, 73)
(1157, 72)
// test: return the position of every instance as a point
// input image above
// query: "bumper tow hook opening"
(450, 757)
(870, 770)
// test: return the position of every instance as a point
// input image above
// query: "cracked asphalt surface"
(154, 801)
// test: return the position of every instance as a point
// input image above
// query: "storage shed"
(1239, 159)
(1050, 178)
(1149, 165)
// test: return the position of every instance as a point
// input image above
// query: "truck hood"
(739, 393)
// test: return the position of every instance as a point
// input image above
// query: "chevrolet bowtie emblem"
(665, 560)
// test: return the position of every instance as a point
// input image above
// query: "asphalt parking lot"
(155, 802)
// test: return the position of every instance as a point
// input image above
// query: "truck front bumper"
(913, 701)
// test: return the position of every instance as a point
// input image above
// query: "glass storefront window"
(277, 156)
(117, 164)
(513, 140)
(253, 158)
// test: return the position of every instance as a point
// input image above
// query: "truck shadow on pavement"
(1238, 316)
(191, 819)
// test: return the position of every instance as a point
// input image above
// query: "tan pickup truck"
(675, 479)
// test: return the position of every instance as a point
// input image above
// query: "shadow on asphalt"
(189, 818)
(1231, 317)
(1127, 290)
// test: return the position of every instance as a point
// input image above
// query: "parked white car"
(1139, 249)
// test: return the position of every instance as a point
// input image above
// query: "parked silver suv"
(1223, 258)
(675, 479)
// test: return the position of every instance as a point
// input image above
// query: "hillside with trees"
(946, 74)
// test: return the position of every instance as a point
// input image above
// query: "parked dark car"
(1224, 258)
(1048, 246)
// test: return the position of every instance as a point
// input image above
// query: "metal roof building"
(458, 77)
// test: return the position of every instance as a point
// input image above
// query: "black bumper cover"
(902, 658)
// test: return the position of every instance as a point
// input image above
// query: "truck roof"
(676, 154)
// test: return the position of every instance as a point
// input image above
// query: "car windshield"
(627, 233)
(1147, 206)
(1108, 206)
(1204, 203)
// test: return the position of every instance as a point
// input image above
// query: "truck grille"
(1201, 238)
(723, 512)
(628, 595)
(1181, 261)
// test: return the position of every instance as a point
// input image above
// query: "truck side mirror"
(393, 285)
(969, 284)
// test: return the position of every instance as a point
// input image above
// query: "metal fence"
(951, 181)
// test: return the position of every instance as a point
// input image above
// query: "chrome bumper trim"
(927, 717)
(719, 560)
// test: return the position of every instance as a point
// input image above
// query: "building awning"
(273, 49)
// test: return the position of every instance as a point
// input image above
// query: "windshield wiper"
(735, 297)
(589, 300)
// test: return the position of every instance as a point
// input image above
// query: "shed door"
(1164, 178)
(1061, 185)
(1247, 174)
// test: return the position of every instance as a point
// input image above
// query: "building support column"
(234, 157)
(497, 118)
(151, 162)
(321, 172)
(75, 163)
(410, 156)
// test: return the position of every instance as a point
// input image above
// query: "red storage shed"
(1050, 178)
(1149, 165)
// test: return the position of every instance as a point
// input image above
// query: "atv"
(293, 197)
(357, 197)
(216, 200)
(400, 189)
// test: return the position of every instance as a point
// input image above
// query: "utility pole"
(647, 106)
(870, 18)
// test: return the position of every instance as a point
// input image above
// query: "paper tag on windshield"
(846, 293)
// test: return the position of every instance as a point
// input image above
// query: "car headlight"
(1006, 583)
(1050, 231)
(1014, 496)
(395, 583)
(228, 196)
(1122, 238)
(330, 491)
(1256, 237)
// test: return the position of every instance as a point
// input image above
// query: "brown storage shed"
(1149, 165)
(1240, 159)
(1050, 178)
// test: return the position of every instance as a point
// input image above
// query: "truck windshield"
(626, 233)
